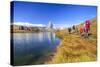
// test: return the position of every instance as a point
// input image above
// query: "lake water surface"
(30, 47)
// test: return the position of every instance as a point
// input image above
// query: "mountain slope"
(74, 48)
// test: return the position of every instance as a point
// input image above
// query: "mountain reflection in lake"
(29, 47)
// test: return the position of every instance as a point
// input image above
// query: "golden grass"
(61, 34)
(73, 49)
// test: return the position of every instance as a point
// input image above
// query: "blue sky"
(58, 14)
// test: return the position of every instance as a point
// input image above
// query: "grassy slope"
(73, 48)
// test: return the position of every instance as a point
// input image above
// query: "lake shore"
(34, 48)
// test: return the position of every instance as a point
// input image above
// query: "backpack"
(87, 24)
(81, 29)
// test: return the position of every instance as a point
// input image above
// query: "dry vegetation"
(73, 48)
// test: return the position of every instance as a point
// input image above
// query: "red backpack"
(81, 29)
(87, 24)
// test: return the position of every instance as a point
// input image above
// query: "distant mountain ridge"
(27, 24)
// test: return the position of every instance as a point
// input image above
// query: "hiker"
(69, 30)
(87, 25)
(73, 27)
(81, 31)
(86, 28)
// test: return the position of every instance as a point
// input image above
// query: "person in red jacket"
(81, 31)
(86, 28)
